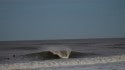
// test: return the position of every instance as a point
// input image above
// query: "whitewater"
(96, 54)
(63, 62)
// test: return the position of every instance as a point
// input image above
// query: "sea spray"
(61, 50)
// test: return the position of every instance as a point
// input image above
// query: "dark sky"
(61, 19)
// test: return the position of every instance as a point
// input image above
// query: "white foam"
(63, 62)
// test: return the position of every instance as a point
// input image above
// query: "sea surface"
(33, 52)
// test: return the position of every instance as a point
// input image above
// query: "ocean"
(86, 54)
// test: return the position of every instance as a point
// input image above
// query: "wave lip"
(61, 50)
(63, 62)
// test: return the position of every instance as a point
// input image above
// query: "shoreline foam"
(63, 62)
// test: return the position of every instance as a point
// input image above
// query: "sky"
(61, 19)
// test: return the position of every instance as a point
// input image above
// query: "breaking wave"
(62, 62)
